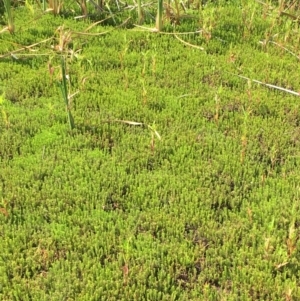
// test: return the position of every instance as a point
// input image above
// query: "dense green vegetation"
(178, 178)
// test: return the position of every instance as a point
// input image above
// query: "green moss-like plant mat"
(179, 180)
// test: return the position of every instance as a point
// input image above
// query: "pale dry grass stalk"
(10, 17)
(268, 85)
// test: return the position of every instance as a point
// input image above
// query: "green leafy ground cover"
(107, 210)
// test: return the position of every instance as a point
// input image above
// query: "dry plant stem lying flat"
(135, 123)
(70, 33)
(12, 53)
(167, 33)
(280, 46)
(174, 34)
(188, 44)
(268, 85)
